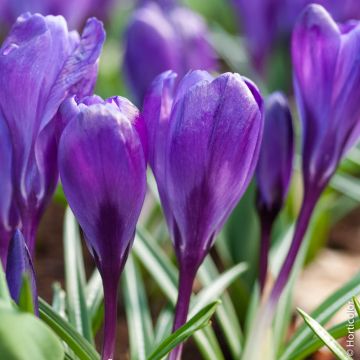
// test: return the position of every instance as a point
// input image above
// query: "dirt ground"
(334, 265)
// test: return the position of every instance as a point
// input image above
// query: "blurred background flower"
(267, 24)
(75, 11)
(163, 35)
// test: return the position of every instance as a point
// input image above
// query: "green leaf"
(75, 278)
(165, 274)
(24, 336)
(4, 290)
(58, 302)
(323, 314)
(347, 185)
(164, 324)
(216, 287)
(197, 322)
(79, 345)
(337, 332)
(94, 300)
(225, 313)
(157, 263)
(26, 297)
(137, 312)
(325, 337)
(357, 305)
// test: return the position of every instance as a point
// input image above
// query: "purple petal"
(326, 74)
(6, 190)
(41, 64)
(103, 172)
(211, 156)
(175, 34)
(102, 168)
(19, 263)
(274, 167)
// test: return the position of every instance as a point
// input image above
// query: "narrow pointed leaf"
(163, 324)
(325, 337)
(94, 300)
(75, 278)
(137, 311)
(337, 332)
(164, 273)
(79, 345)
(357, 305)
(58, 301)
(197, 322)
(323, 314)
(225, 313)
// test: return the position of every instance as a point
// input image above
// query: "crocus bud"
(273, 170)
(41, 64)
(19, 264)
(164, 36)
(103, 172)
(326, 77)
(204, 137)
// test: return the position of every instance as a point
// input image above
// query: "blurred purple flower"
(326, 76)
(19, 264)
(103, 171)
(266, 22)
(273, 171)
(164, 36)
(41, 64)
(204, 137)
(74, 11)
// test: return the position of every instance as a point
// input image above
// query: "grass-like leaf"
(197, 322)
(26, 303)
(94, 300)
(337, 332)
(325, 337)
(137, 311)
(357, 305)
(4, 290)
(323, 314)
(78, 344)
(164, 273)
(225, 313)
(75, 278)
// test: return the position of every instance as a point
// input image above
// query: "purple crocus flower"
(268, 22)
(103, 171)
(19, 263)
(74, 11)
(204, 137)
(41, 64)
(326, 77)
(164, 36)
(273, 170)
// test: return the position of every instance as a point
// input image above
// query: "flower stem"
(302, 224)
(186, 280)
(266, 227)
(110, 309)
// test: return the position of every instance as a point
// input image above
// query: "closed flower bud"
(204, 137)
(103, 171)
(273, 171)
(164, 36)
(19, 263)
